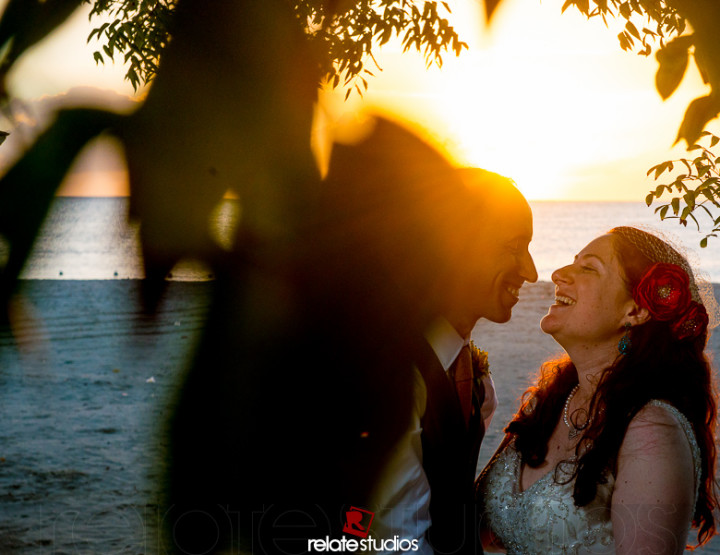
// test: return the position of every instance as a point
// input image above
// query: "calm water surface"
(90, 238)
(86, 378)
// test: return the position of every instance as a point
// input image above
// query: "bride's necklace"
(573, 431)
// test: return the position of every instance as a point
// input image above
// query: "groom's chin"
(500, 316)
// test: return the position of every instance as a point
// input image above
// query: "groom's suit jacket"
(450, 454)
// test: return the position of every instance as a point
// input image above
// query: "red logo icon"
(357, 522)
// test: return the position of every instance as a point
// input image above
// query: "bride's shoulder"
(659, 430)
(658, 459)
(657, 411)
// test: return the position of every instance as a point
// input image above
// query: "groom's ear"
(637, 315)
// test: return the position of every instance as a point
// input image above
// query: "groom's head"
(452, 242)
(493, 231)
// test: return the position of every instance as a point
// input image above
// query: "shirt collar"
(445, 341)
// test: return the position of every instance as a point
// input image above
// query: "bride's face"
(591, 299)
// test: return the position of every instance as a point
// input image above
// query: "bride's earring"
(625, 344)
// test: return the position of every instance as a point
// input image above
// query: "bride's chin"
(546, 324)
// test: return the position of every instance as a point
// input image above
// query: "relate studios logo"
(358, 521)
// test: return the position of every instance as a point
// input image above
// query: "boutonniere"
(480, 364)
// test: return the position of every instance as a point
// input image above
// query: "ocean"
(90, 238)
(86, 377)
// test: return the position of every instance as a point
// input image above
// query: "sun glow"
(546, 98)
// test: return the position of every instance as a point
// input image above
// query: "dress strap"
(689, 433)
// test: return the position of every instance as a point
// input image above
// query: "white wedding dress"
(544, 519)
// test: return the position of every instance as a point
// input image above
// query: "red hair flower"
(692, 324)
(664, 290)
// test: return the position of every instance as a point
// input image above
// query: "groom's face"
(500, 263)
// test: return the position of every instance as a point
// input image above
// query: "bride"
(612, 451)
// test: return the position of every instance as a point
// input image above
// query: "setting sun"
(546, 98)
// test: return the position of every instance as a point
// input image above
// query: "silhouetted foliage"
(25, 23)
(139, 32)
(300, 385)
(678, 30)
(343, 34)
(696, 190)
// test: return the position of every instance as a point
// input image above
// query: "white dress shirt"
(403, 501)
(447, 343)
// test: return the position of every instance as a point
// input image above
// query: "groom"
(422, 251)
(427, 489)
(486, 285)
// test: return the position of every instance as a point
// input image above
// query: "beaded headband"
(664, 251)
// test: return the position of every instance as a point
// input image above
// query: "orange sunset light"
(546, 98)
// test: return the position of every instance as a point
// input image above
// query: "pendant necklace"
(573, 431)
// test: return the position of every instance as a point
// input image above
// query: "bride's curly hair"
(658, 366)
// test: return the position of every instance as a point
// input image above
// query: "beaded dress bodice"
(543, 519)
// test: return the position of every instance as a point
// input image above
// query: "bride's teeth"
(564, 300)
(514, 292)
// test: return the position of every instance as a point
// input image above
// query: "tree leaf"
(700, 111)
(672, 63)
(632, 30)
(689, 199)
(649, 32)
(490, 7)
(661, 168)
(28, 22)
(625, 41)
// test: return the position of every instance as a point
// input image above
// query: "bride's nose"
(562, 275)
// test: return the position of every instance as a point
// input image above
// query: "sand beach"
(85, 384)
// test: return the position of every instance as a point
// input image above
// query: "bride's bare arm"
(655, 485)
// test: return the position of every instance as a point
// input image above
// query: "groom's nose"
(527, 268)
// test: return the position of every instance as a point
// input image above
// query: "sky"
(546, 98)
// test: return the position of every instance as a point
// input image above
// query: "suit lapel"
(449, 459)
(443, 422)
